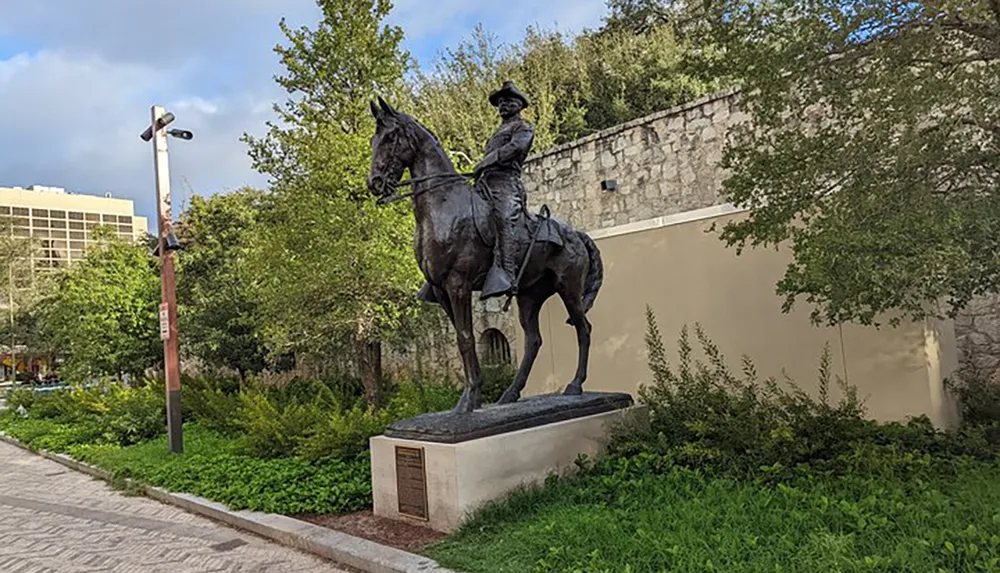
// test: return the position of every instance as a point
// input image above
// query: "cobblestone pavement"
(56, 520)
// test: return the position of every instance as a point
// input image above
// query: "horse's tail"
(595, 274)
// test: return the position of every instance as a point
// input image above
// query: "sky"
(78, 78)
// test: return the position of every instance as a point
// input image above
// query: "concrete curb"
(341, 548)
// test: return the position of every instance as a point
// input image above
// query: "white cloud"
(80, 76)
(74, 122)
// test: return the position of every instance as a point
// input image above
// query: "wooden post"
(168, 308)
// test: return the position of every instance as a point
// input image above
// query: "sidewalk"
(53, 519)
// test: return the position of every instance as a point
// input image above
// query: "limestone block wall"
(668, 163)
(978, 334)
(663, 164)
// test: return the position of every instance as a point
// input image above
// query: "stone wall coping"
(667, 221)
(616, 129)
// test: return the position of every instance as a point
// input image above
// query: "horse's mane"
(412, 123)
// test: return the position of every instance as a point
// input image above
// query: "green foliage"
(578, 85)
(708, 415)
(978, 395)
(218, 308)
(103, 413)
(212, 467)
(873, 150)
(642, 519)
(496, 379)
(296, 448)
(103, 314)
(347, 274)
(213, 403)
(732, 474)
(703, 415)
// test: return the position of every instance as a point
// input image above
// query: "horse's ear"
(385, 107)
(374, 109)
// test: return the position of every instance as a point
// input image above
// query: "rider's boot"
(501, 276)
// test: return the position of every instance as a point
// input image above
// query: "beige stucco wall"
(687, 276)
(667, 168)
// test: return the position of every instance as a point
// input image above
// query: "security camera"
(164, 121)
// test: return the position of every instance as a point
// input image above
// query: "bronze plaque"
(411, 482)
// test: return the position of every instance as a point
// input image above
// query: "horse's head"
(392, 149)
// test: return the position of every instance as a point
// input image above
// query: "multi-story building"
(62, 222)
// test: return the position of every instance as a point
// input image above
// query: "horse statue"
(453, 247)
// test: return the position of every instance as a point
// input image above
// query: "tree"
(336, 272)
(18, 288)
(103, 314)
(873, 148)
(578, 85)
(215, 288)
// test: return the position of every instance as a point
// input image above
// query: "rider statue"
(499, 177)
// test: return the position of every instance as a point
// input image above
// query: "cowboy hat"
(508, 90)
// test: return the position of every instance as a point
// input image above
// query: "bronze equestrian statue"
(454, 242)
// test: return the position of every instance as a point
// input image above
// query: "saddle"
(526, 225)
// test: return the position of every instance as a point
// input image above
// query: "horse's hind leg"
(529, 304)
(574, 305)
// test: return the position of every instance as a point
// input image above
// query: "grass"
(213, 467)
(683, 521)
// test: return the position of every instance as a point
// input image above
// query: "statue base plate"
(453, 428)
(439, 484)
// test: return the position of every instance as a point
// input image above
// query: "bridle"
(385, 198)
(448, 178)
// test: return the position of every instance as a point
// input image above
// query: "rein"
(448, 177)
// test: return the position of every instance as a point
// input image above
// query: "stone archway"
(494, 348)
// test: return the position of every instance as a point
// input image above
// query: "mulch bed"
(366, 525)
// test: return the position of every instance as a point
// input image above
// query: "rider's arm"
(520, 142)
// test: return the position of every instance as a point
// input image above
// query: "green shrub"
(212, 466)
(212, 402)
(496, 379)
(703, 415)
(105, 413)
(342, 435)
(978, 395)
(20, 398)
(46, 434)
(416, 396)
(134, 415)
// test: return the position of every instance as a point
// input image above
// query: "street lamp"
(166, 245)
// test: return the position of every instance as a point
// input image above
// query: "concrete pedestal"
(447, 482)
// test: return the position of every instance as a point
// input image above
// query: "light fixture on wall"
(609, 185)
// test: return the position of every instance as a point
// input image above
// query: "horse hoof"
(573, 389)
(468, 403)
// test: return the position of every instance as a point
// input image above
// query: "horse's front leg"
(461, 318)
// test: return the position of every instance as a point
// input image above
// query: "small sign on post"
(164, 322)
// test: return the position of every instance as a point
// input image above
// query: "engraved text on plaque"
(411, 482)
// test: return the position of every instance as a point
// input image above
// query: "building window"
(495, 348)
